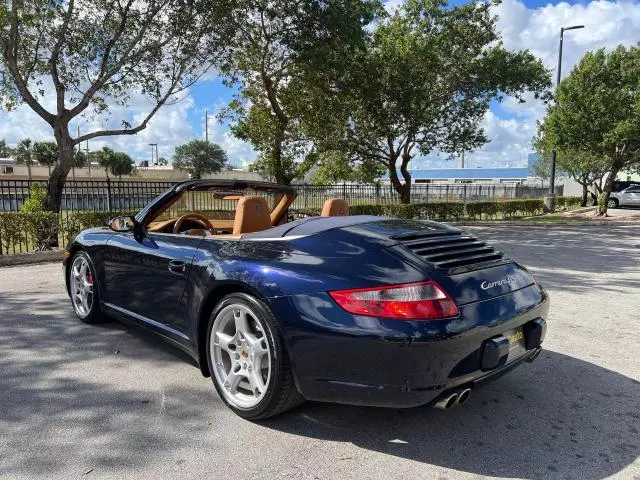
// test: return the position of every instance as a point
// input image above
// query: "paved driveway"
(632, 213)
(111, 402)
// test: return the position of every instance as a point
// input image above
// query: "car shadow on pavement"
(77, 397)
(559, 417)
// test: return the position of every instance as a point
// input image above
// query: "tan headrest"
(335, 207)
(252, 215)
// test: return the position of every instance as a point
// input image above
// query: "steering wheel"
(192, 216)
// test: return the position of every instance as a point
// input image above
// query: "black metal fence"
(125, 195)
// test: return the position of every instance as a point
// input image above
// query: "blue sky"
(530, 24)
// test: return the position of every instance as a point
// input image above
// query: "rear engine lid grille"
(452, 249)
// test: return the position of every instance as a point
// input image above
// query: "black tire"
(94, 315)
(281, 392)
(613, 203)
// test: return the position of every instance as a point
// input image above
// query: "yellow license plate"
(516, 343)
(515, 337)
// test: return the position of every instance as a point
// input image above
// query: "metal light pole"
(552, 181)
(206, 126)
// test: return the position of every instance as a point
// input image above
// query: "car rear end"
(453, 314)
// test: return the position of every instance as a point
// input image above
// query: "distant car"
(351, 309)
(629, 197)
(619, 185)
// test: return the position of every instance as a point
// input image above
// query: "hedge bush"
(37, 229)
(453, 210)
(570, 203)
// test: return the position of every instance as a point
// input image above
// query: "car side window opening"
(213, 211)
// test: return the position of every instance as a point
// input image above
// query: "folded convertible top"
(311, 225)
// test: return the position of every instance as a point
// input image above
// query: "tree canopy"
(198, 157)
(45, 153)
(90, 54)
(334, 166)
(424, 83)
(118, 163)
(585, 167)
(597, 110)
(278, 52)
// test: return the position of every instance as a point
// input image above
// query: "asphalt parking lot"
(80, 401)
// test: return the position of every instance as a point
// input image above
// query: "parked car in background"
(619, 185)
(629, 197)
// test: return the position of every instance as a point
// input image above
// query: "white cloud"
(607, 24)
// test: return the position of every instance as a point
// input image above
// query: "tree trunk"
(606, 191)
(585, 194)
(403, 189)
(279, 173)
(58, 175)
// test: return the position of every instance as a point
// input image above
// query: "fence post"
(464, 193)
(344, 191)
(108, 194)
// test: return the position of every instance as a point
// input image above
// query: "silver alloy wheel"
(241, 355)
(81, 286)
(612, 203)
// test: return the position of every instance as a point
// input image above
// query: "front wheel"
(613, 203)
(248, 363)
(83, 289)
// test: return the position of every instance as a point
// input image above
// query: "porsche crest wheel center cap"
(245, 353)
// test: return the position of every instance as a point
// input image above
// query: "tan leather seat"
(252, 215)
(335, 207)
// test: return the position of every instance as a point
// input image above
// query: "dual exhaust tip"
(450, 399)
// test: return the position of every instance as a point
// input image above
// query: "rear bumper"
(341, 358)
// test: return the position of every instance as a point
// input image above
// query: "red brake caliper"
(89, 279)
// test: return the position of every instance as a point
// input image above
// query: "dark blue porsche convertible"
(352, 309)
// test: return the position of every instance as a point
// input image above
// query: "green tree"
(122, 164)
(45, 153)
(198, 157)
(4, 149)
(116, 163)
(24, 153)
(79, 159)
(424, 83)
(335, 166)
(541, 167)
(163, 161)
(279, 51)
(586, 168)
(95, 53)
(597, 110)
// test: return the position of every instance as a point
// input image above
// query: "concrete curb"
(29, 258)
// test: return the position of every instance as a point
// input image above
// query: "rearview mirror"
(122, 224)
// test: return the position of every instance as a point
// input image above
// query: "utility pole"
(88, 159)
(552, 180)
(206, 126)
(154, 150)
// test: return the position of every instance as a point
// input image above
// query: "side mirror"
(122, 224)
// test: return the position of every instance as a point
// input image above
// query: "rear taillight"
(412, 301)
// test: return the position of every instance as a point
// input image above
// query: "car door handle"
(177, 266)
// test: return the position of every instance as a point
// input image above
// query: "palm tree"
(24, 153)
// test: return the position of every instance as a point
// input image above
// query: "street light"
(552, 182)
(206, 126)
(154, 146)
